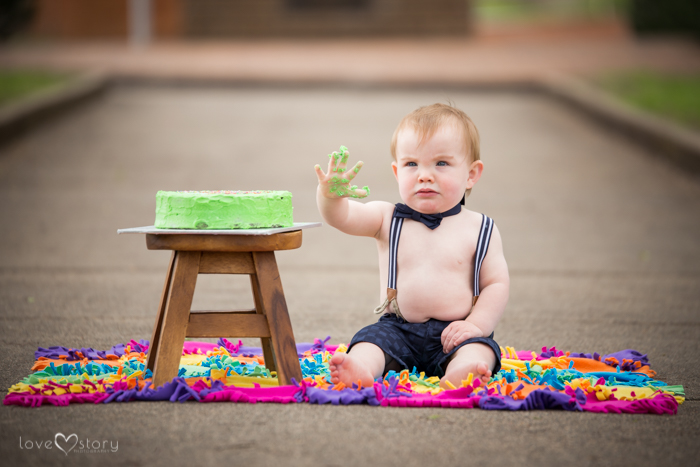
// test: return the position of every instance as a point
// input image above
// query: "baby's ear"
(395, 168)
(475, 170)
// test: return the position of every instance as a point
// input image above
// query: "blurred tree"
(14, 15)
(674, 16)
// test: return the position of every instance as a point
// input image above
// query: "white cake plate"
(152, 230)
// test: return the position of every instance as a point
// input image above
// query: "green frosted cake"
(218, 210)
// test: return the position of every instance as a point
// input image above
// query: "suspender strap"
(394, 235)
(482, 247)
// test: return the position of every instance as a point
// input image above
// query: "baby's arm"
(334, 188)
(487, 312)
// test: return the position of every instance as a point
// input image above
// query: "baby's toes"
(484, 372)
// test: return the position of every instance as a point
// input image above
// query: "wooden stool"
(223, 254)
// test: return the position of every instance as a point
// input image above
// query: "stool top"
(152, 230)
(285, 238)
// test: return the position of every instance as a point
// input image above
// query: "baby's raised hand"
(458, 332)
(336, 183)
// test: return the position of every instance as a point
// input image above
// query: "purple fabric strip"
(627, 359)
(71, 354)
(37, 400)
(538, 399)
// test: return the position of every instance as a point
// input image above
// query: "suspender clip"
(390, 300)
(390, 296)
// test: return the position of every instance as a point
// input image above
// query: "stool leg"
(155, 338)
(275, 307)
(176, 318)
(268, 354)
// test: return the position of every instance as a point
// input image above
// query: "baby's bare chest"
(449, 248)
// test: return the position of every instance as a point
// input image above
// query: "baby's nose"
(425, 175)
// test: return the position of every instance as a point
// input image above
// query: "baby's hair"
(426, 120)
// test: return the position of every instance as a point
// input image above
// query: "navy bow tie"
(432, 221)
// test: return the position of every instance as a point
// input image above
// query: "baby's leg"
(363, 363)
(477, 359)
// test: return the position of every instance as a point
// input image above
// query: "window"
(327, 4)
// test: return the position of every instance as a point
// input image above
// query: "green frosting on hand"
(341, 186)
(345, 154)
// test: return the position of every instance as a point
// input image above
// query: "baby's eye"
(442, 163)
(411, 164)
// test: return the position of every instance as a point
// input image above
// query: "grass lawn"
(673, 96)
(494, 11)
(15, 84)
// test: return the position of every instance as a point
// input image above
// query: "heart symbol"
(55, 441)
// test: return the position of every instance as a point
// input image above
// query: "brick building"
(217, 19)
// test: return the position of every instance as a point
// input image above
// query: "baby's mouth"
(426, 192)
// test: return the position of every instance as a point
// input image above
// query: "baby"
(447, 257)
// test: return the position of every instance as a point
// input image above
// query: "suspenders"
(482, 248)
(394, 234)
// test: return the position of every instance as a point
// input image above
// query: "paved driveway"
(600, 236)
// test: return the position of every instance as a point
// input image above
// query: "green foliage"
(14, 16)
(527, 10)
(15, 84)
(667, 16)
(674, 96)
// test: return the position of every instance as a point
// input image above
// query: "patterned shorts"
(417, 344)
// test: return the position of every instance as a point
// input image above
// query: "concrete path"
(600, 236)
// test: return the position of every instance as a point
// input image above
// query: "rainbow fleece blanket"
(621, 382)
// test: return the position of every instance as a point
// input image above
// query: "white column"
(140, 23)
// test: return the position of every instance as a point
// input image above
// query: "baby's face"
(432, 177)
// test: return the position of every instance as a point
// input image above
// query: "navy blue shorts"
(417, 344)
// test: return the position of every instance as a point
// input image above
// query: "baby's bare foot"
(483, 372)
(348, 370)
(479, 370)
